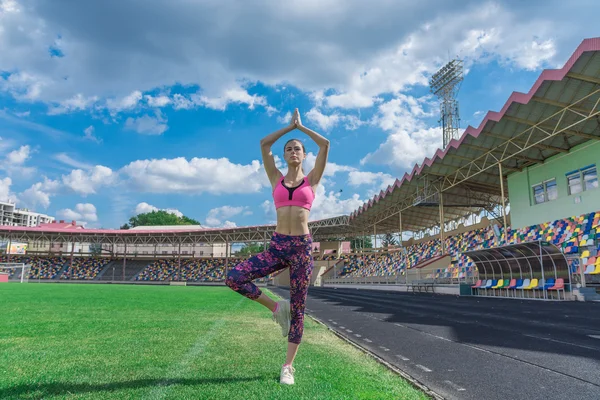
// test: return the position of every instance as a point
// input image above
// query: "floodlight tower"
(445, 84)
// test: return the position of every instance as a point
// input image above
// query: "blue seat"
(549, 283)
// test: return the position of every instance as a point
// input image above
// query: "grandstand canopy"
(330, 228)
(539, 260)
(562, 110)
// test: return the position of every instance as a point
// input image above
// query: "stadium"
(495, 295)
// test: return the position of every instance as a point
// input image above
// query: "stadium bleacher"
(575, 236)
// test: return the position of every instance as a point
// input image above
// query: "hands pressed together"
(296, 121)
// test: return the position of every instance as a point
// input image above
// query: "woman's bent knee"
(233, 279)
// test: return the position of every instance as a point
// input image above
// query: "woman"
(291, 243)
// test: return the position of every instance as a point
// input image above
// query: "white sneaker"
(287, 375)
(283, 317)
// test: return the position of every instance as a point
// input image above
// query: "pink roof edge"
(69, 228)
(592, 44)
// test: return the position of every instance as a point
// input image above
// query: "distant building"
(10, 215)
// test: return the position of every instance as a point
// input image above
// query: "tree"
(251, 248)
(159, 218)
(96, 249)
(388, 240)
(124, 226)
(357, 243)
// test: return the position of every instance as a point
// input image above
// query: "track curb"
(415, 382)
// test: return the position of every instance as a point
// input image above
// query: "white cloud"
(70, 161)
(76, 103)
(14, 163)
(7, 6)
(125, 103)
(81, 182)
(285, 119)
(39, 193)
(181, 102)
(358, 178)
(216, 216)
(329, 204)
(83, 213)
(89, 181)
(327, 122)
(411, 139)
(158, 101)
(194, 176)
(5, 193)
(18, 157)
(233, 95)
(144, 207)
(391, 46)
(147, 125)
(89, 134)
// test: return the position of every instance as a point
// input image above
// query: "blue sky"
(109, 108)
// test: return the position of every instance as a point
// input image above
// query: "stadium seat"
(526, 283)
(549, 283)
(539, 287)
(476, 286)
(491, 284)
(511, 285)
(532, 284)
(558, 286)
(497, 286)
(504, 286)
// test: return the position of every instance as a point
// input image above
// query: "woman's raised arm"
(265, 147)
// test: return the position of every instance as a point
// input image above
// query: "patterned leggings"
(285, 251)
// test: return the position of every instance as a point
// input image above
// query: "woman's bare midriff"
(292, 220)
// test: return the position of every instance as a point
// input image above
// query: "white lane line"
(348, 330)
(368, 340)
(342, 327)
(402, 357)
(455, 386)
(333, 322)
(183, 365)
(560, 341)
(430, 334)
(357, 335)
(594, 336)
(424, 368)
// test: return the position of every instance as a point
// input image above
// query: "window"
(583, 179)
(545, 191)
(590, 178)
(574, 181)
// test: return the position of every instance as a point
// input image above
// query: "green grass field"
(82, 341)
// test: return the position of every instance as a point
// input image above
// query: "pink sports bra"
(300, 196)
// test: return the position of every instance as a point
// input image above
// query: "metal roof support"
(124, 258)
(400, 228)
(442, 243)
(8, 248)
(375, 235)
(226, 254)
(502, 197)
(179, 260)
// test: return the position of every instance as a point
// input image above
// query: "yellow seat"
(534, 283)
(499, 285)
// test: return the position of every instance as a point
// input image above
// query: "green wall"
(525, 212)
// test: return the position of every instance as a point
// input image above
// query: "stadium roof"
(66, 232)
(562, 110)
